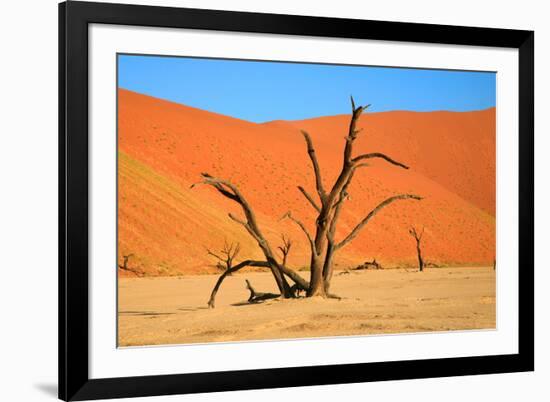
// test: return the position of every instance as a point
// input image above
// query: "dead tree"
(368, 265)
(256, 297)
(328, 206)
(418, 237)
(278, 270)
(226, 255)
(125, 267)
(285, 248)
(295, 289)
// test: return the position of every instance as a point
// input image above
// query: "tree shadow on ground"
(192, 308)
(143, 313)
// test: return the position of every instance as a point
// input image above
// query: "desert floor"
(168, 310)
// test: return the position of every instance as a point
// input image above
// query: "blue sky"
(264, 91)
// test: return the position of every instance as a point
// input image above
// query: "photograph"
(266, 200)
(213, 201)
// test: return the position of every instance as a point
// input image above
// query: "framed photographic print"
(258, 201)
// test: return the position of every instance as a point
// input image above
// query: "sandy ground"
(171, 310)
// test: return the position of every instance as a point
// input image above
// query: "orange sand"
(164, 146)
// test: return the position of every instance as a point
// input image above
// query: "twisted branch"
(316, 168)
(302, 226)
(246, 263)
(285, 248)
(415, 234)
(371, 214)
(378, 155)
(309, 198)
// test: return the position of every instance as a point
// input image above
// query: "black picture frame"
(74, 381)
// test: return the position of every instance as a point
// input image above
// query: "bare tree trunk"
(418, 237)
(327, 267)
(331, 245)
(298, 280)
(316, 283)
(282, 283)
(212, 300)
(420, 260)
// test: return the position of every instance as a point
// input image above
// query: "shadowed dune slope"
(164, 146)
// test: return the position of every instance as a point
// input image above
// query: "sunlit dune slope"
(164, 146)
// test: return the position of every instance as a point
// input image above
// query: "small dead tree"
(226, 255)
(328, 208)
(418, 237)
(368, 265)
(285, 248)
(125, 267)
(295, 289)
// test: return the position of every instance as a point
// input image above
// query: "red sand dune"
(164, 146)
